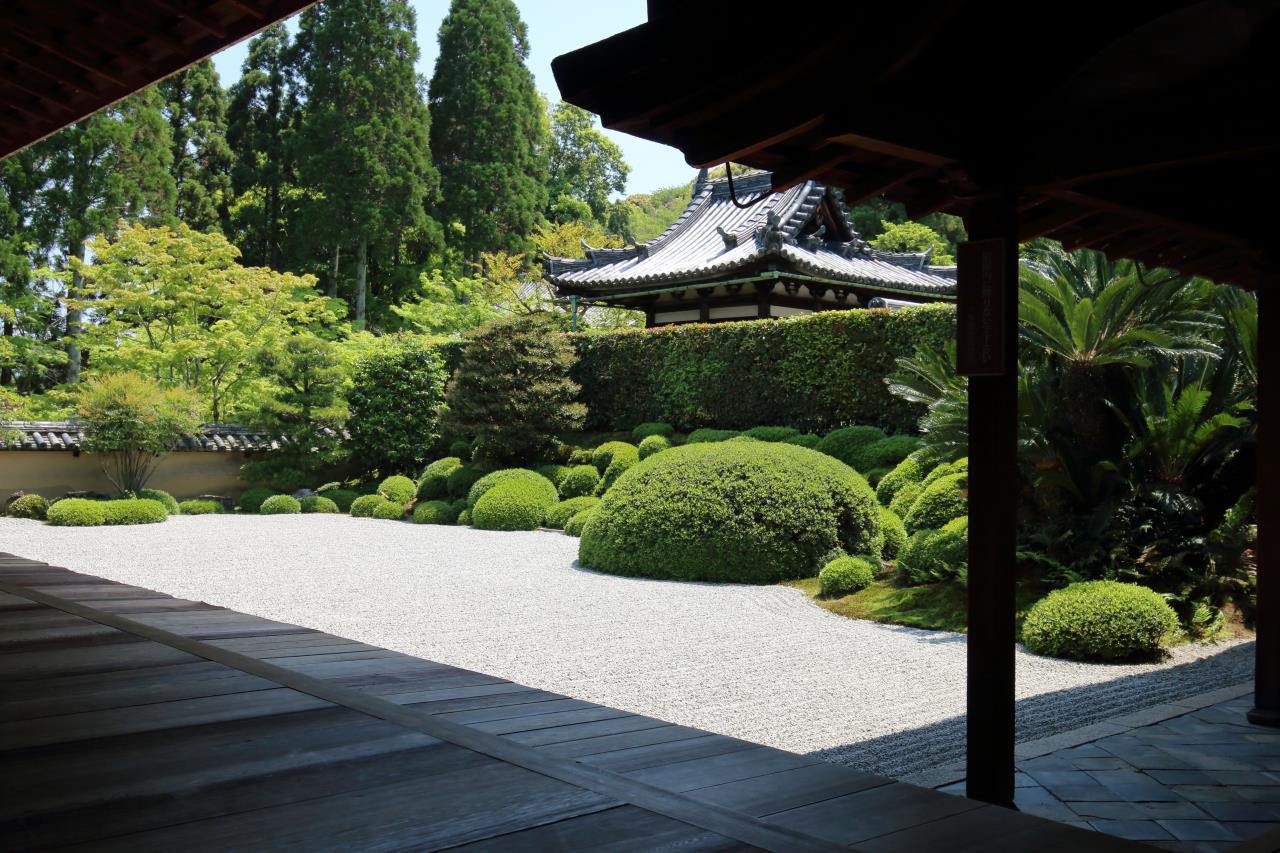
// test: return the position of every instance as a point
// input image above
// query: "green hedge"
(434, 482)
(1098, 620)
(76, 512)
(200, 506)
(133, 511)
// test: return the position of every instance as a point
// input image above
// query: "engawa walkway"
(131, 720)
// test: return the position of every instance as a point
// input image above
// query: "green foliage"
(847, 575)
(363, 506)
(581, 480)
(945, 469)
(169, 502)
(342, 498)
(461, 449)
(772, 433)
(884, 453)
(806, 440)
(895, 533)
(434, 482)
(846, 443)
(621, 459)
(133, 511)
(584, 165)
(747, 512)
(909, 470)
(464, 518)
(318, 504)
(912, 237)
(554, 473)
(653, 444)
(196, 105)
(76, 512)
(395, 396)
(602, 456)
(28, 506)
(251, 500)
(930, 556)
(132, 421)
(942, 500)
(398, 488)
(197, 506)
(512, 391)
(906, 496)
(643, 431)
(434, 512)
(280, 505)
(1099, 620)
(559, 515)
(578, 521)
(928, 378)
(708, 435)
(462, 478)
(515, 503)
(488, 481)
(387, 510)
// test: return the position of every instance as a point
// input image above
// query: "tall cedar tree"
(364, 139)
(512, 391)
(114, 164)
(489, 133)
(197, 109)
(261, 118)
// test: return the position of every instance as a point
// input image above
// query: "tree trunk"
(74, 317)
(273, 226)
(362, 268)
(6, 373)
(333, 278)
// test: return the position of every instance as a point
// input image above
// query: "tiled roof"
(714, 237)
(67, 435)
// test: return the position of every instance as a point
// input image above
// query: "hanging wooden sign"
(982, 322)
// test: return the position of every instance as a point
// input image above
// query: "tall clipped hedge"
(814, 373)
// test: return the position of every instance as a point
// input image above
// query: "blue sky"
(555, 27)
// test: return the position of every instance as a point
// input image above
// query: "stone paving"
(1201, 781)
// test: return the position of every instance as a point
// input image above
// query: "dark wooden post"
(987, 317)
(1266, 678)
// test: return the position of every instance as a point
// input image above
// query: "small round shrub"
(844, 443)
(554, 473)
(1098, 620)
(398, 489)
(362, 507)
(579, 456)
(464, 518)
(318, 504)
(513, 504)
(133, 511)
(603, 455)
(198, 506)
(343, 498)
(744, 512)
(707, 435)
(280, 505)
(909, 470)
(581, 480)
(942, 500)
(461, 449)
(885, 452)
(77, 512)
(388, 510)
(653, 444)
(623, 459)
(251, 500)
(29, 506)
(644, 430)
(931, 556)
(559, 515)
(945, 469)
(434, 512)
(807, 440)
(462, 479)
(906, 496)
(170, 503)
(771, 433)
(574, 525)
(847, 575)
(434, 482)
(895, 534)
(458, 506)
(488, 481)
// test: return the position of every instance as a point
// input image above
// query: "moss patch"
(937, 607)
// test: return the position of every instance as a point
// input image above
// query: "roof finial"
(700, 181)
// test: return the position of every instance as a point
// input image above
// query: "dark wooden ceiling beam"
(51, 43)
(148, 31)
(188, 12)
(47, 65)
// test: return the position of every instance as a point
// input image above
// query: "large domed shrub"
(771, 433)
(76, 512)
(844, 443)
(462, 478)
(251, 500)
(649, 428)
(884, 452)
(169, 501)
(623, 458)
(847, 575)
(434, 512)
(741, 511)
(434, 482)
(199, 506)
(133, 511)
(806, 440)
(653, 444)
(29, 506)
(708, 435)
(895, 535)
(942, 500)
(317, 504)
(1098, 620)
(280, 505)
(603, 455)
(398, 489)
(362, 507)
(906, 496)
(581, 480)
(488, 481)
(559, 515)
(930, 556)
(516, 503)
(908, 471)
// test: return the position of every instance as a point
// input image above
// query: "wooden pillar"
(704, 304)
(987, 317)
(763, 300)
(1266, 679)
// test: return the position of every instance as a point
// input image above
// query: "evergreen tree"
(197, 109)
(584, 165)
(489, 127)
(363, 142)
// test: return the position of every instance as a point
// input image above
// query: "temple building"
(751, 253)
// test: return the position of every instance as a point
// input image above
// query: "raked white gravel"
(761, 663)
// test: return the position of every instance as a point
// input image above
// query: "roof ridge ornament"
(814, 240)
(771, 233)
(730, 240)
(641, 249)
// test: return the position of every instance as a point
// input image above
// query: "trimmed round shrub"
(461, 449)
(580, 456)
(885, 452)
(343, 498)
(488, 481)
(581, 480)
(653, 444)
(908, 471)
(462, 479)
(895, 534)
(133, 511)
(77, 512)
(251, 500)
(844, 443)
(644, 430)
(464, 518)
(930, 556)
(554, 473)
(559, 515)
(942, 500)
(771, 433)
(807, 440)
(707, 435)
(317, 504)
(458, 506)
(198, 506)
(574, 525)
(906, 496)
(280, 505)
(170, 503)
(945, 469)
(1098, 620)
(516, 503)
(623, 459)
(746, 512)
(398, 489)
(847, 575)
(29, 506)
(362, 507)
(434, 512)
(388, 510)
(434, 482)
(603, 455)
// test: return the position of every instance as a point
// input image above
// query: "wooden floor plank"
(718, 769)
(855, 818)
(665, 752)
(788, 789)
(132, 693)
(624, 829)
(129, 653)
